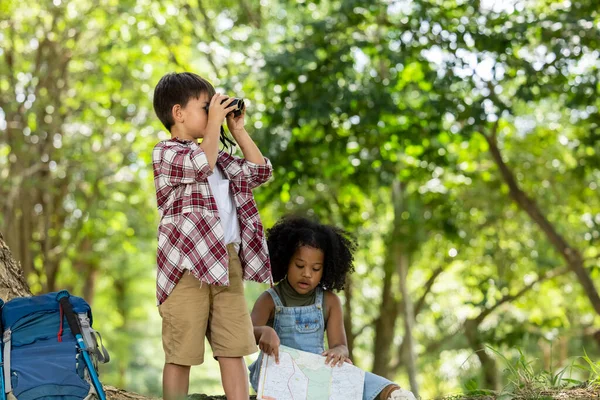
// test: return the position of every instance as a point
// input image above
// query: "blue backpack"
(42, 359)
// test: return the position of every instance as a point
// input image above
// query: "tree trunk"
(491, 378)
(408, 315)
(385, 324)
(12, 281)
(402, 261)
(120, 288)
(570, 254)
(348, 325)
(89, 287)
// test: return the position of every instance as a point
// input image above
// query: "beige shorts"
(194, 310)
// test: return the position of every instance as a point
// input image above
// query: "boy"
(210, 236)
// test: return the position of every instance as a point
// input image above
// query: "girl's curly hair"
(290, 233)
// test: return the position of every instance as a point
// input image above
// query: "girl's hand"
(269, 343)
(336, 356)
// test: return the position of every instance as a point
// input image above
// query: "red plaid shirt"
(190, 233)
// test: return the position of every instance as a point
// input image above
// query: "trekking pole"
(63, 298)
(3, 393)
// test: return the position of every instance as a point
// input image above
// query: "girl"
(309, 260)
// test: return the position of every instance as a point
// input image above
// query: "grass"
(527, 383)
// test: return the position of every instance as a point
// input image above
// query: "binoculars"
(240, 106)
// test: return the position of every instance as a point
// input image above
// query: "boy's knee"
(175, 368)
(230, 360)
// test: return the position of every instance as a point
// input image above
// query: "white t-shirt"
(226, 206)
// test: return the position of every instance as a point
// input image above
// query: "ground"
(574, 394)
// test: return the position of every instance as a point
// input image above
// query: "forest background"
(458, 141)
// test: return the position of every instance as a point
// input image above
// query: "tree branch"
(435, 346)
(511, 297)
(418, 307)
(362, 328)
(210, 32)
(569, 253)
(428, 285)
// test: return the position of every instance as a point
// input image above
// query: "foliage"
(350, 100)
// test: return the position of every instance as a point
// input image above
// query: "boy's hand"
(217, 111)
(269, 343)
(236, 124)
(336, 356)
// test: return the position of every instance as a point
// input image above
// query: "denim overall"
(303, 328)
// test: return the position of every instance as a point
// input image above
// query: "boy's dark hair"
(178, 88)
(290, 233)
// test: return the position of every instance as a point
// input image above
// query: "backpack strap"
(275, 297)
(101, 351)
(6, 358)
(319, 298)
(93, 339)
